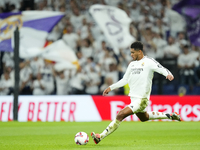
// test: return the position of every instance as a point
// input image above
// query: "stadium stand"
(161, 30)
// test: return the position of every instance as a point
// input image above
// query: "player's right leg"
(160, 115)
(175, 116)
(144, 116)
(113, 125)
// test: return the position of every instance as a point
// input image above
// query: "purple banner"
(40, 21)
(5, 45)
(45, 24)
(190, 9)
(5, 15)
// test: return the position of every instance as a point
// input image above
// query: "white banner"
(50, 108)
(114, 22)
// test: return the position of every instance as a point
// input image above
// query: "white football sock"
(158, 115)
(111, 128)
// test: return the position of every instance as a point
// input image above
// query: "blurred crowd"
(161, 30)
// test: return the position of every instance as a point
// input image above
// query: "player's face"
(134, 54)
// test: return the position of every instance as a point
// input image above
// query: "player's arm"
(120, 83)
(157, 67)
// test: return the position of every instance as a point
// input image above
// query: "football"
(81, 138)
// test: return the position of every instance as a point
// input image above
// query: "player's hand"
(106, 91)
(170, 77)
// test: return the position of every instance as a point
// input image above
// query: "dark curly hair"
(137, 46)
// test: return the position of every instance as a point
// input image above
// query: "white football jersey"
(139, 75)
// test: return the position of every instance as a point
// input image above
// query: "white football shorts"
(138, 104)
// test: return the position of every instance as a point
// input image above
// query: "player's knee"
(144, 119)
(120, 116)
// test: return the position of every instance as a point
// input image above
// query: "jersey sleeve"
(157, 67)
(123, 81)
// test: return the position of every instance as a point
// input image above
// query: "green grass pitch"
(129, 136)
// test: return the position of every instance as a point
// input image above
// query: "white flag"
(60, 52)
(114, 22)
(60, 66)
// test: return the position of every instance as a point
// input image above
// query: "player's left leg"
(136, 105)
(113, 125)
